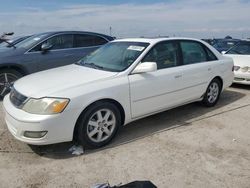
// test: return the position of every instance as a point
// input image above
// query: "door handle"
(209, 69)
(178, 76)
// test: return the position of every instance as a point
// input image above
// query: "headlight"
(244, 69)
(45, 106)
(236, 68)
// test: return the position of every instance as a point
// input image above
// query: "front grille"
(17, 99)
(239, 79)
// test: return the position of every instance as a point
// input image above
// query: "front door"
(154, 91)
(61, 53)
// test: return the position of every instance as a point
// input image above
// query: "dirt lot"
(190, 146)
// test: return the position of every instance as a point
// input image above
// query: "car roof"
(245, 40)
(227, 40)
(155, 40)
(77, 32)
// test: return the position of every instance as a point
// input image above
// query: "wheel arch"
(113, 101)
(216, 77)
(15, 67)
(220, 79)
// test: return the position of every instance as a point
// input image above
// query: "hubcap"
(101, 125)
(6, 83)
(213, 92)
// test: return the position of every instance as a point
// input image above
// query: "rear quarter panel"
(223, 67)
(225, 71)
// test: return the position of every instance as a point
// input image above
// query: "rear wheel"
(98, 125)
(7, 79)
(212, 94)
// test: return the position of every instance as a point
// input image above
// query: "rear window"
(82, 40)
(241, 48)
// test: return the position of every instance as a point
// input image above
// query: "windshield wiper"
(94, 66)
(78, 63)
(11, 45)
(236, 51)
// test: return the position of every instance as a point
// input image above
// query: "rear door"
(197, 63)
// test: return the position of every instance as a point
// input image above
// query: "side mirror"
(223, 52)
(46, 47)
(145, 67)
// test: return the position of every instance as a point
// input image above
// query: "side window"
(58, 42)
(165, 54)
(210, 55)
(192, 52)
(99, 41)
(82, 40)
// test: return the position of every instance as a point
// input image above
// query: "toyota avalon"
(121, 82)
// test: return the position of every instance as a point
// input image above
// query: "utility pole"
(110, 31)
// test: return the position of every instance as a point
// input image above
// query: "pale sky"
(190, 18)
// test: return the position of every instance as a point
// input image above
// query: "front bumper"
(59, 127)
(242, 78)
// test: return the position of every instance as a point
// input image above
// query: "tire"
(7, 79)
(213, 92)
(98, 124)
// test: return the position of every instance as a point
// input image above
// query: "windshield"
(29, 42)
(114, 56)
(13, 41)
(241, 48)
(3, 44)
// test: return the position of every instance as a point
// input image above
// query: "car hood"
(240, 60)
(47, 83)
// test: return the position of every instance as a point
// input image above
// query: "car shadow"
(241, 86)
(181, 116)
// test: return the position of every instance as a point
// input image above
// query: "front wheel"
(98, 124)
(7, 79)
(212, 94)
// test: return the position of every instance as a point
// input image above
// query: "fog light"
(35, 134)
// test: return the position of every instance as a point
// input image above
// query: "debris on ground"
(76, 150)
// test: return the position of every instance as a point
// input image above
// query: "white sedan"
(241, 56)
(121, 82)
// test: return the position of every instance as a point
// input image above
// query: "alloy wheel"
(101, 125)
(6, 82)
(213, 92)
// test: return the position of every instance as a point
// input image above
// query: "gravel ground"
(190, 146)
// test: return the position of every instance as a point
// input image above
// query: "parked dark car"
(209, 41)
(224, 44)
(45, 51)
